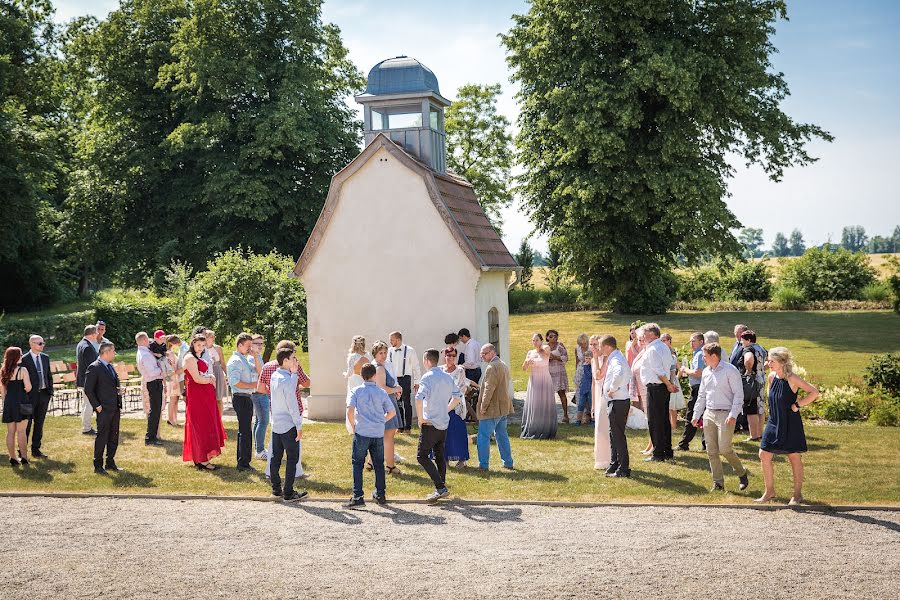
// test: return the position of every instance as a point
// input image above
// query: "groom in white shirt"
(617, 402)
(405, 368)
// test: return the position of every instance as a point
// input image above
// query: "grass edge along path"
(847, 465)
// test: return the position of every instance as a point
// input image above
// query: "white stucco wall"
(491, 293)
(386, 261)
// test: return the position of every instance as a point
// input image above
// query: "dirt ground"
(144, 548)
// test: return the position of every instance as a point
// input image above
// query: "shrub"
(746, 281)
(65, 328)
(698, 284)
(651, 296)
(129, 311)
(879, 291)
(253, 292)
(789, 297)
(885, 410)
(840, 404)
(828, 275)
(883, 371)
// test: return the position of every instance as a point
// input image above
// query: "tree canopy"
(630, 111)
(480, 147)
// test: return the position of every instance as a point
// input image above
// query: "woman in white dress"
(602, 449)
(356, 358)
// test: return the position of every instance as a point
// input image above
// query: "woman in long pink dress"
(602, 449)
(539, 418)
(204, 435)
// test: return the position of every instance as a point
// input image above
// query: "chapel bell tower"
(403, 101)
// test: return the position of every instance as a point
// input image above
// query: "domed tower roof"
(401, 75)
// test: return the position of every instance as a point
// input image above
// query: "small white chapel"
(401, 243)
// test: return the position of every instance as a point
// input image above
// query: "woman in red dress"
(204, 435)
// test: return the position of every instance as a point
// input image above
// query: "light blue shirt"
(697, 362)
(370, 404)
(436, 390)
(241, 369)
(285, 411)
(720, 389)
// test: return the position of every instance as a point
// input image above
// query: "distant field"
(879, 261)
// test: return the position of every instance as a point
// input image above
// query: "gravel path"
(115, 548)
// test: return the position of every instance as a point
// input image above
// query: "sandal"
(369, 466)
(206, 467)
(393, 470)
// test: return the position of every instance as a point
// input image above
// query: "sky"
(841, 59)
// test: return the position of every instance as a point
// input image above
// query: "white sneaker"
(262, 455)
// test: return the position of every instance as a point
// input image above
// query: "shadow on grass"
(517, 474)
(485, 514)
(329, 514)
(130, 479)
(404, 517)
(42, 470)
(659, 480)
(172, 447)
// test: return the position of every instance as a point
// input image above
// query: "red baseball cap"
(158, 334)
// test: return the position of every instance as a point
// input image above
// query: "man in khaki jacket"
(494, 405)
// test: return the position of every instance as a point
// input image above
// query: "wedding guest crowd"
(614, 391)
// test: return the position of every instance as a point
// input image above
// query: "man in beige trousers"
(494, 405)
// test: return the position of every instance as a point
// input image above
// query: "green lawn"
(834, 347)
(850, 464)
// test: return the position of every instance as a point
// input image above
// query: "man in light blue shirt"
(719, 402)
(437, 396)
(243, 373)
(368, 408)
(694, 373)
(287, 425)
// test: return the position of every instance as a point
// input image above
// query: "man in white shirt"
(472, 355)
(719, 402)
(654, 374)
(617, 402)
(405, 367)
(152, 381)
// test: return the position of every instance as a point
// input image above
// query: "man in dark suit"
(86, 354)
(38, 366)
(103, 391)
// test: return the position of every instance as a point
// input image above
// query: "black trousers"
(284, 443)
(432, 439)
(618, 416)
(41, 402)
(107, 436)
(405, 402)
(658, 420)
(689, 430)
(155, 391)
(243, 408)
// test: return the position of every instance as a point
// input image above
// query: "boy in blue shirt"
(368, 408)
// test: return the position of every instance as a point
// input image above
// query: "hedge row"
(125, 313)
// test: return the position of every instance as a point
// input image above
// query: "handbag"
(26, 409)
(751, 387)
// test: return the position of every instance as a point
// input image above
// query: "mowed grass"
(834, 347)
(856, 464)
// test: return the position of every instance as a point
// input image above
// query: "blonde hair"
(378, 347)
(358, 345)
(595, 337)
(582, 337)
(784, 356)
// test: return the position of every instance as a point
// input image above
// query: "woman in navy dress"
(456, 448)
(784, 429)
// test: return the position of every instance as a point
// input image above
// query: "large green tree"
(780, 245)
(32, 153)
(480, 146)
(207, 124)
(854, 238)
(751, 238)
(798, 246)
(630, 113)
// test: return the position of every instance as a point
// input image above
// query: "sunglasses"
(39, 343)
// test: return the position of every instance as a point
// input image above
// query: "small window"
(494, 327)
(378, 121)
(404, 120)
(436, 123)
